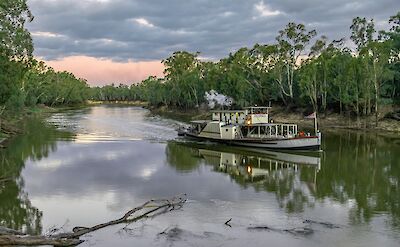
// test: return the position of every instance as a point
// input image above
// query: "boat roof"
(227, 111)
(258, 107)
(200, 121)
(272, 124)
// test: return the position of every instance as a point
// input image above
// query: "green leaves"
(362, 32)
(16, 42)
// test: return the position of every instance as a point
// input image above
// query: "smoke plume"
(214, 98)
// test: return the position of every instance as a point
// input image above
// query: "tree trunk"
(340, 100)
(376, 95)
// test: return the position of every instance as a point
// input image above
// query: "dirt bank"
(334, 120)
(11, 123)
(282, 115)
(118, 102)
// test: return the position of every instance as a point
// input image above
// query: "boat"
(252, 127)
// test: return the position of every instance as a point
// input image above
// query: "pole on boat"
(315, 123)
(314, 116)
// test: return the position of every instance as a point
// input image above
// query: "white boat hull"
(297, 143)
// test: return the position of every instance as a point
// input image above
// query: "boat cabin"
(230, 116)
(252, 122)
(257, 115)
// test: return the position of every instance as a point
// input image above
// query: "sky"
(124, 41)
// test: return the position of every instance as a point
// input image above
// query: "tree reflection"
(364, 167)
(181, 157)
(38, 141)
(360, 167)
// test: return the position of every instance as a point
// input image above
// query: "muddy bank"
(334, 120)
(117, 102)
(12, 124)
(282, 115)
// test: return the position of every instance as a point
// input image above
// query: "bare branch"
(148, 209)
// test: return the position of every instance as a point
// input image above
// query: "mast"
(315, 123)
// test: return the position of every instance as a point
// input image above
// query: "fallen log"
(149, 209)
(304, 231)
(7, 231)
(37, 240)
(324, 224)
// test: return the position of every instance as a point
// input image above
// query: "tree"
(375, 54)
(15, 47)
(182, 75)
(362, 32)
(292, 41)
(268, 67)
(16, 41)
(309, 83)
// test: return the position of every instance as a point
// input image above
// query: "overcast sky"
(126, 39)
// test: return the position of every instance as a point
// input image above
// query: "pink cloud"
(104, 71)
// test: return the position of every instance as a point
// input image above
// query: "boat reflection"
(255, 167)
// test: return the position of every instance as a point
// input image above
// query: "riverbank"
(12, 123)
(281, 115)
(118, 102)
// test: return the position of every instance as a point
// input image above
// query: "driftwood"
(7, 231)
(304, 231)
(324, 224)
(149, 209)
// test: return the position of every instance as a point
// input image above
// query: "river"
(91, 165)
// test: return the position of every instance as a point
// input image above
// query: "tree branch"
(148, 209)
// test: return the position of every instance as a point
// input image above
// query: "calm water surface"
(99, 162)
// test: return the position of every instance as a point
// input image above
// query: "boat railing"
(272, 130)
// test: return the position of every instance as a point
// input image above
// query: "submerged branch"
(149, 209)
(227, 222)
(5, 179)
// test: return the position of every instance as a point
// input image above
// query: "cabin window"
(226, 130)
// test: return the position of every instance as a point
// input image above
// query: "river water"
(91, 165)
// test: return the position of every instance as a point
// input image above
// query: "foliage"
(23, 80)
(324, 75)
(329, 77)
(16, 41)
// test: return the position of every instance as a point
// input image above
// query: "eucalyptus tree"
(34, 83)
(16, 41)
(340, 71)
(319, 57)
(292, 42)
(375, 53)
(182, 74)
(322, 53)
(240, 79)
(379, 57)
(392, 37)
(154, 91)
(362, 34)
(309, 82)
(15, 47)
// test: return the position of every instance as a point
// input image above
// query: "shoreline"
(279, 114)
(13, 124)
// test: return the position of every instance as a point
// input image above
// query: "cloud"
(133, 30)
(143, 22)
(264, 10)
